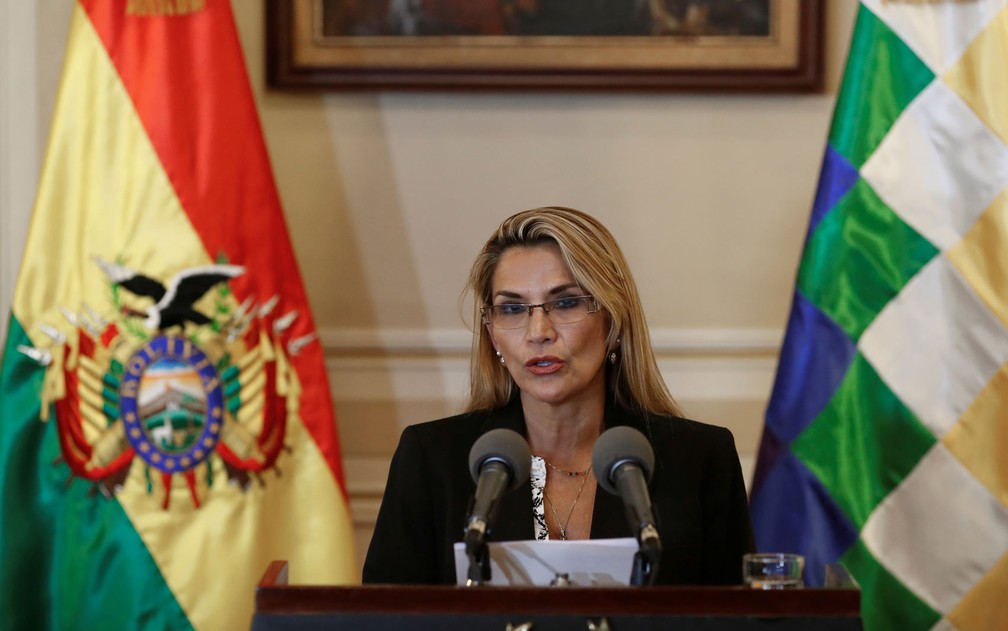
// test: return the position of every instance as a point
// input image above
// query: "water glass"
(773, 570)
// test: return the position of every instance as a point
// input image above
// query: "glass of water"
(773, 570)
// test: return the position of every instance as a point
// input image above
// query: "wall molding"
(666, 342)
(403, 364)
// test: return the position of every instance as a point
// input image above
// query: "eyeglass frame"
(485, 311)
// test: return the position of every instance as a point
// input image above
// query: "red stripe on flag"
(187, 78)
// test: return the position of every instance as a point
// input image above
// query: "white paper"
(587, 563)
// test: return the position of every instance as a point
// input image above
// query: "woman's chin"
(553, 396)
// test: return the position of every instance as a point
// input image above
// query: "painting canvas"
(573, 18)
(653, 44)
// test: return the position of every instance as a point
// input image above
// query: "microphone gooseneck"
(499, 461)
(624, 461)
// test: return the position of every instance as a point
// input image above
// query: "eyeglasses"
(566, 310)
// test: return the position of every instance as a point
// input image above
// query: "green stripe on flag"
(886, 604)
(858, 259)
(863, 443)
(883, 75)
(68, 551)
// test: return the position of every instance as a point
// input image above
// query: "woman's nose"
(540, 327)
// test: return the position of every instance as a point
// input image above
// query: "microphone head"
(502, 445)
(617, 446)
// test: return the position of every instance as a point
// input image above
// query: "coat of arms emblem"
(174, 378)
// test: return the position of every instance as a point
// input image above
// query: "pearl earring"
(500, 357)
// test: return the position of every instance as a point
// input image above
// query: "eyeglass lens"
(567, 310)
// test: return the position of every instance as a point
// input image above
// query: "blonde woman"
(562, 353)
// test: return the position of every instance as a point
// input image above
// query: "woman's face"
(552, 363)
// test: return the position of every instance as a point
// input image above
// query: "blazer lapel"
(608, 516)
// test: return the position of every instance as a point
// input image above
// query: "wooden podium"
(280, 606)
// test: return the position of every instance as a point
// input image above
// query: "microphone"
(624, 461)
(499, 461)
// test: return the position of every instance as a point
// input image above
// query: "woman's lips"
(543, 365)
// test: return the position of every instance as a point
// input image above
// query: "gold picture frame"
(318, 44)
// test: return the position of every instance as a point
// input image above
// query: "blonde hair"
(599, 267)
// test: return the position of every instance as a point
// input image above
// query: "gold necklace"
(572, 474)
(563, 527)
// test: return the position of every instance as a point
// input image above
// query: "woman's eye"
(566, 303)
(514, 309)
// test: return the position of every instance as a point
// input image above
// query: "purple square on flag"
(793, 512)
(813, 361)
(836, 178)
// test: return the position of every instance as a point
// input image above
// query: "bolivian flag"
(165, 423)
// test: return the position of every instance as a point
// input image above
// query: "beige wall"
(388, 197)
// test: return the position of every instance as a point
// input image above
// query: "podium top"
(274, 596)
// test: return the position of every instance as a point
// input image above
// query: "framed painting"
(709, 45)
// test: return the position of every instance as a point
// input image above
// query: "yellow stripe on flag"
(193, 545)
(103, 192)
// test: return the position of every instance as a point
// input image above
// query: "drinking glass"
(773, 570)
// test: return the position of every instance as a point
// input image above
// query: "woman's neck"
(564, 435)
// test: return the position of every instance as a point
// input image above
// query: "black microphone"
(623, 461)
(499, 461)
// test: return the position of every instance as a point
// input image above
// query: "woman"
(563, 353)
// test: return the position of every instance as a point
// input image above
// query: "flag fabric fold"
(886, 432)
(166, 427)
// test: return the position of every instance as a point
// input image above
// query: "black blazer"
(697, 492)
